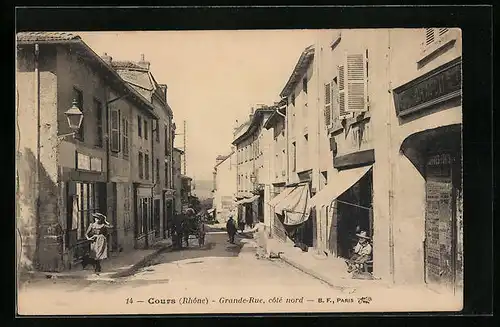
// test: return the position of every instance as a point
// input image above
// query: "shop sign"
(144, 192)
(437, 86)
(96, 164)
(82, 161)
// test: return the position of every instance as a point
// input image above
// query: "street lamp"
(253, 178)
(75, 117)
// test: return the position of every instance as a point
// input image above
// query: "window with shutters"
(328, 104)
(433, 35)
(141, 166)
(145, 129)
(146, 166)
(139, 126)
(341, 88)
(115, 131)
(355, 82)
(98, 113)
(125, 145)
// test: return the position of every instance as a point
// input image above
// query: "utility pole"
(185, 149)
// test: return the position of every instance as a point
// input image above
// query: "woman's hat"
(362, 234)
(98, 215)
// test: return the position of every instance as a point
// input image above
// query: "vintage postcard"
(245, 171)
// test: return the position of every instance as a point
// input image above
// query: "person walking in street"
(97, 233)
(231, 229)
(202, 232)
(362, 253)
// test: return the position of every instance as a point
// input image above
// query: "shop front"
(348, 205)
(168, 211)
(436, 154)
(83, 198)
(144, 225)
(292, 215)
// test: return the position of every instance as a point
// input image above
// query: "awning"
(295, 206)
(248, 200)
(278, 198)
(340, 183)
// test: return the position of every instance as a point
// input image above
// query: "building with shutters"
(153, 185)
(251, 141)
(372, 127)
(91, 172)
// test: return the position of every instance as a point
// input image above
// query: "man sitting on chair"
(362, 253)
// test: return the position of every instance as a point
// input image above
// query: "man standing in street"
(231, 229)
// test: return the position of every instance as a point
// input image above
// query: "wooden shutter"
(335, 100)
(355, 82)
(328, 104)
(115, 132)
(429, 36)
(341, 76)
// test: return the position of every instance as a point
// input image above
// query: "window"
(167, 145)
(86, 203)
(294, 156)
(115, 131)
(433, 35)
(166, 175)
(98, 113)
(304, 85)
(157, 170)
(146, 166)
(141, 166)
(143, 215)
(78, 97)
(139, 126)
(356, 82)
(125, 148)
(145, 129)
(157, 130)
(341, 72)
(328, 104)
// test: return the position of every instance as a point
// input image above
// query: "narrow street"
(220, 269)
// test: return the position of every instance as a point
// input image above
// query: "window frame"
(146, 166)
(99, 142)
(140, 166)
(139, 126)
(114, 130)
(125, 138)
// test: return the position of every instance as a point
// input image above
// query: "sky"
(214, 78)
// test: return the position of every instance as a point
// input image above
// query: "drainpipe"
(38, 148)
(391, 170)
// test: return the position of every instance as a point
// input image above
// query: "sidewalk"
(117, 265)
(330, 270)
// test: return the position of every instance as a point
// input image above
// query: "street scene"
(239, 171)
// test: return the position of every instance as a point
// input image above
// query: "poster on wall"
(82, 161)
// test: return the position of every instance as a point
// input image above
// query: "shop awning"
(340, 183)
(278, 198)
(295, 205)
(248, 200)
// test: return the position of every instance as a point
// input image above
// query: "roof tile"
(45, 36)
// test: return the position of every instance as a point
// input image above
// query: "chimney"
(107, 59)
(143, 63)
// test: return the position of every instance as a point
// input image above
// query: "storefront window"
(87, 196)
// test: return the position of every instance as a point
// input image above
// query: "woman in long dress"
(97, 233)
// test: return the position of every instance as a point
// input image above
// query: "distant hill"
(203, 189)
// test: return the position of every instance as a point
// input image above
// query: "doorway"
(354, 214)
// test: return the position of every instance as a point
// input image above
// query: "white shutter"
(355, 82)
(328, 104)
(341, 77)
(335, 100)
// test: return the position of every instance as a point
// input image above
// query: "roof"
(302, 64)
(73, 39)
(223, 158)
(256, 119)
(274, 118)
(45, 36)
(126, 64)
